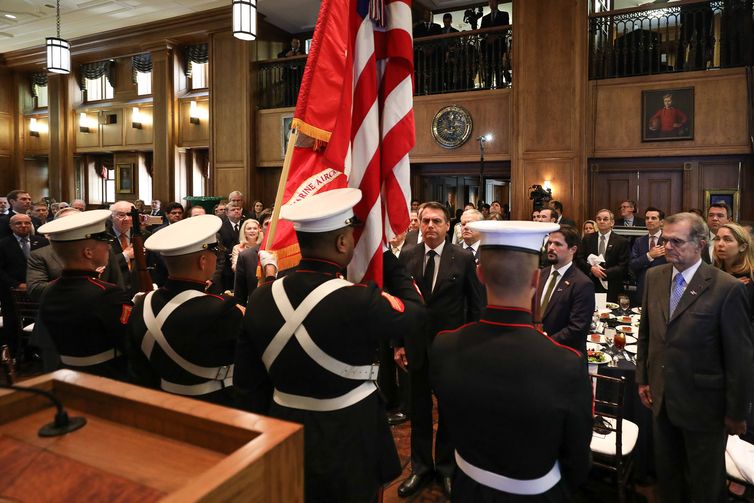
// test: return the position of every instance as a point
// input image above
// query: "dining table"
(606, 324)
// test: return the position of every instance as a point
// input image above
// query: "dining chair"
(26, 314)
(613, 437)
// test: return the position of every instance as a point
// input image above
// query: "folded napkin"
(742, 455)
(594, 260)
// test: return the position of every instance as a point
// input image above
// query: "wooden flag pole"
(281, 188)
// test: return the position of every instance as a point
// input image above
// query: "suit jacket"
(616, 260)
(639, 263)
(456, 298)
(5, 229)
(568, 315)
(638, 222)
(698, 363)
(421, 30)
(44, 265)
(13, 261)
(411, 240)
(117, 249)
(501, 19)
(246, 275)
(567, 221)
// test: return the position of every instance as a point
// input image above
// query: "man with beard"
(565, 296)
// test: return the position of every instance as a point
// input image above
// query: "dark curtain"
(37, 79)
(198, 53)
(141, 63)
(97, 70)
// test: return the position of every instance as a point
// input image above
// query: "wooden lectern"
(143, 445)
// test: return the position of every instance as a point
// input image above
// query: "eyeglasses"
(676, 242)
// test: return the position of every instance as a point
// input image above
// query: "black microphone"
(62, 423)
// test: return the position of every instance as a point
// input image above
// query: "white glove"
(268, 258)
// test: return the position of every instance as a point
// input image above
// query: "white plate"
(632, 348)
(598, 338)
(627, 329)
(608, 359)
(594, 346)
(637, 310)
(611, 305)
(625, 319)
(630, 339)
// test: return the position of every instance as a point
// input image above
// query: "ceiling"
(35, 19)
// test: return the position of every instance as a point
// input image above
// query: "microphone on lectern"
(62, 423)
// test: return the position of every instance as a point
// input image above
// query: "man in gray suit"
(695, 365)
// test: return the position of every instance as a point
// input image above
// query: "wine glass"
(620, 343)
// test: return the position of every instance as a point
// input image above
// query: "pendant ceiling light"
(245, 19)
(58, 51)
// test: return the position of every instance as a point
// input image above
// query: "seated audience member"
(182, 339)
(14, 255)
(589, 227)
(195, 211)
(85, 317)
(219, 209)
(156, 208)
(486, 374)
(624, 305)
(250, 236)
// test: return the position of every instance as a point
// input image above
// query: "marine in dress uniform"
(182, 340)
(307, 349)
(86, 317)
(518, 405)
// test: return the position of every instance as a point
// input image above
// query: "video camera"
(540, 196)
(470, 17)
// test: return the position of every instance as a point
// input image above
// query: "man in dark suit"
(426, 28)
(628, 216)
(694, 367)
(607, 276)
(20, 203)
(14, 253)
(237, 198)
(718, 214)
(230, 234)
(562, 220)
(565, 296)
(647, 251)
(494, 47)
(39, 214)
(487, 375)
(470, 239)
(120, 227)
(446, 275)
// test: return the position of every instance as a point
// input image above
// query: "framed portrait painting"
(731, 197)
(667, 114)
(285, 131)
(124, 179)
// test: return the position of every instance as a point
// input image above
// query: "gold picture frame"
(125, 179)
(731, 197)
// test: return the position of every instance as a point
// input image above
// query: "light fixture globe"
(58, 55)
(245, 19)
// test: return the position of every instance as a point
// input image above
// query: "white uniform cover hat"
(185, 236)
(517, 235)
(323, 212)
(78, 226)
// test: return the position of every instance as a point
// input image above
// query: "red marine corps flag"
(354, 126)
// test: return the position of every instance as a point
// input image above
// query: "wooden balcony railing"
(464, 61)
(671, 37)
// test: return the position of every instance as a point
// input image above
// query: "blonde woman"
(249, 236)
(589, 227)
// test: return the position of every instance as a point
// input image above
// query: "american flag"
(381, 127)
(356, 104)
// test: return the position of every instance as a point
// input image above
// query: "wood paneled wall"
(230, 108)
(720, 125)
(8, 114)
(549, 96)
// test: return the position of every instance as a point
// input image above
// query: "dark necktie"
(429, 272)
(652, 242)
(236, 227)
(548, 293)
(25, 246)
